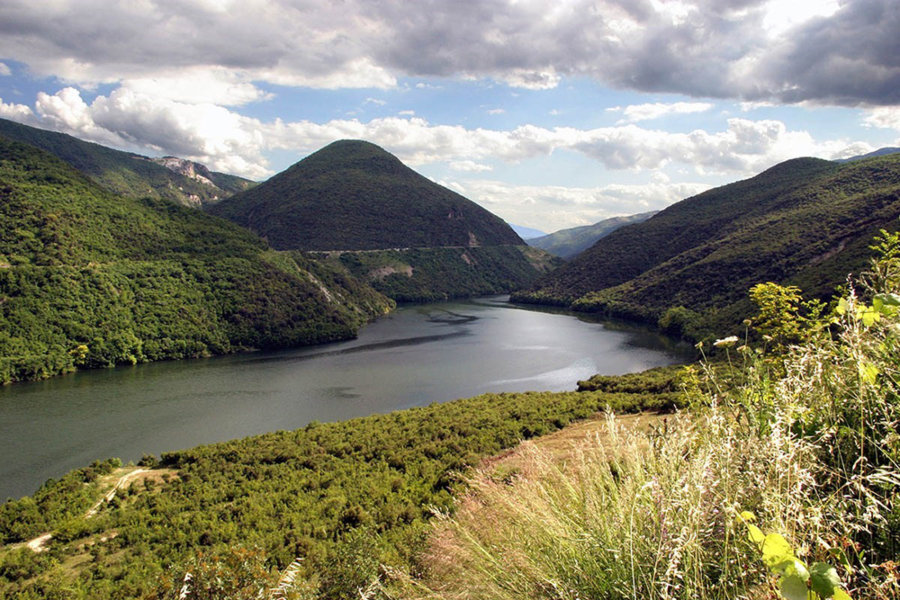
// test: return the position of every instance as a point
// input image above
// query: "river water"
(414, 356)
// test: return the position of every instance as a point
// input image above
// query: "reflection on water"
(414, 356)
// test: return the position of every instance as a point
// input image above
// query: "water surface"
(414, 356)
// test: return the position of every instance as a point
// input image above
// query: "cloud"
(753, 50)
(884, 118)
(496, 111)
(646, 112)
(470, 166)
(228, 141)
(564, 207)
(17, 112)
(5, 70)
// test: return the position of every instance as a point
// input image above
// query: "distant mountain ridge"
(806, 222)
(353, 195)
(879, 152)
(128, 174)
(568, 243)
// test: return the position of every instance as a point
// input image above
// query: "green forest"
(125, 173)
(805, 222)
(353, 195)
(429, 274)
(89, 279)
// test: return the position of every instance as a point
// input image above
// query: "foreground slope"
(128, 174)
(806, 222)
(90, 279)
(353, 195)
(568, 243)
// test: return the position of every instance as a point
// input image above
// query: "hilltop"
(128, 174)
(92, 279)
(413, 240)
(805, 222)
(353, 195)
(568, 243)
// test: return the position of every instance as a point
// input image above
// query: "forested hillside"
(353, 195)
(129, 174)
(91, 279)
(428, 274)
(805, 222)
(568, 243)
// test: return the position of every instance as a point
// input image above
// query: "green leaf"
(776, 550)
(755, 534)
(842, 307)
(793, 588)
(792, 567)
(840, 594)
(824, 580)
(888, 299)
(869, 372)
(870, 316)
(748, 516)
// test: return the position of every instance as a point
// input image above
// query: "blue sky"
(550, 114)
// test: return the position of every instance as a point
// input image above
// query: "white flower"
(729, 341)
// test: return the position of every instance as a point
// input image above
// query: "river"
(414, 356)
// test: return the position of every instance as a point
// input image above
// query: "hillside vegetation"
(429, 274)
(344, 497)
(353, 195)
(805, 222)
(91, 279)
(129, 174)
(780, 480)
(568, 243)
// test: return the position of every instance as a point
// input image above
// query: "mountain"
(353, 195)
(879, 152)
(567, 243)
(92, 279)
(527, 233)
(127, 174)
(805, 222)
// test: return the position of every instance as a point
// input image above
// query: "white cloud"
(470, 166)
(228, 141)
(551, 208)
(496, 111)
(407, 113)
(646, 112)
(5, 70)
(199, 85)
(884, 118)
(375, 101)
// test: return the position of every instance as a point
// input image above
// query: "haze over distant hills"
(527, 233)
(807, 222)
(128, 174)
(353, 195)
(567, 243)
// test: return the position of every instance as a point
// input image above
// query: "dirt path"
(39, 543)
(112, 493)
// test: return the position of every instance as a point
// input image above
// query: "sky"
(551, 114)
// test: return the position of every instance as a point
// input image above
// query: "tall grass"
(808, 442)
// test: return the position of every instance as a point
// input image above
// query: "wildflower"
(729, 341)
